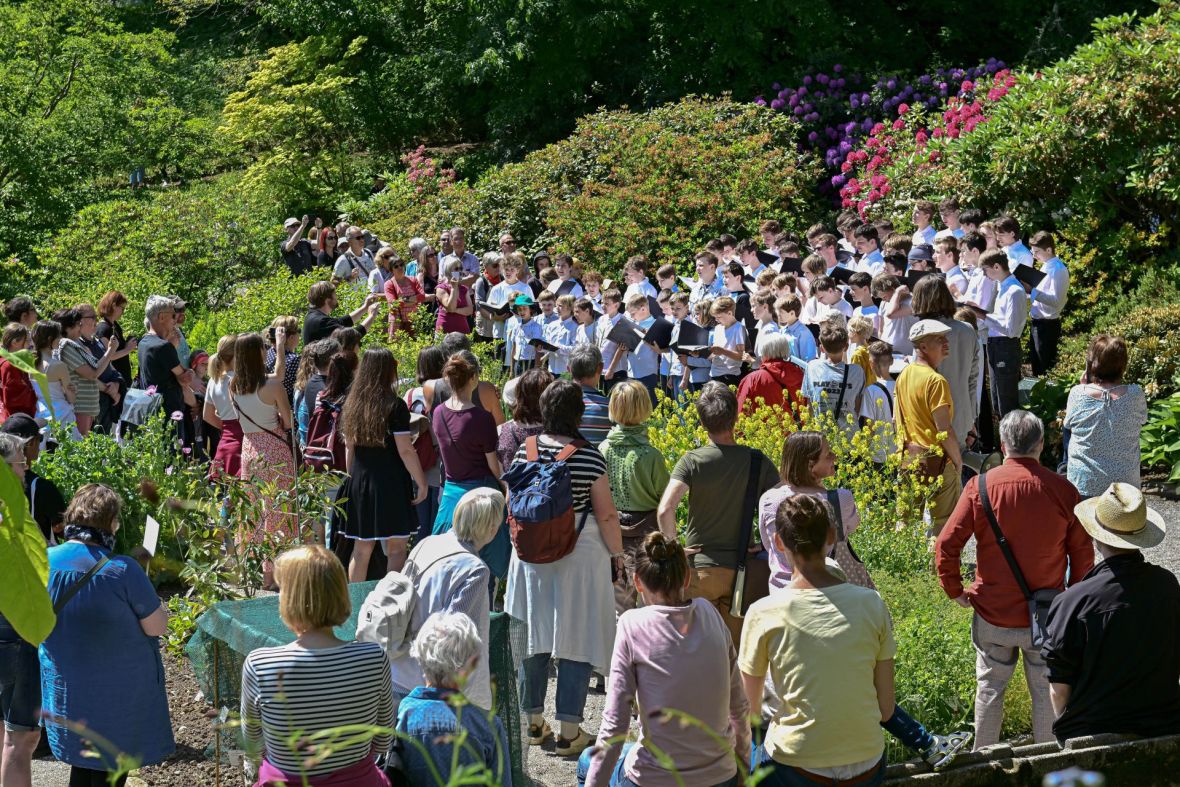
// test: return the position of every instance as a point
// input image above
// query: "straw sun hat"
(1120, 518)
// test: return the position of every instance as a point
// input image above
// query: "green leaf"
(24, 596)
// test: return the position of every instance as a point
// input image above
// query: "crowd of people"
(550, 491)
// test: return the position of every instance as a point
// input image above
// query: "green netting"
(229, 630)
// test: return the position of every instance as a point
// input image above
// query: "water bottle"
(1074, 777)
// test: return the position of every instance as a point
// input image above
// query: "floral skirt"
(267, 460)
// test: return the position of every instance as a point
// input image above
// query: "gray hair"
(416, 246)
(1021, 432)
(491, 258)
(458, 231)
(776, 346)
(585, 361)
(453, 264)
(156, 304)
(446, 645)
(12, 448)
(454, 342)
(478, 515)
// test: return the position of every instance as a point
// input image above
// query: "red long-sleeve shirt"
(17, 394)
(1034, 507)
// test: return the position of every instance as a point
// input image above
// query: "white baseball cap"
(291, 222)
(926, 328)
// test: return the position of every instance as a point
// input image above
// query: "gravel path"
(545, 768)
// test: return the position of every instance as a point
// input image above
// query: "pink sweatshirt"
(680, 658)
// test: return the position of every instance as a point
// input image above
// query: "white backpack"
(387, 614)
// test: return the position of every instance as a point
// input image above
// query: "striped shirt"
(292, 691)
(586, 466)
(596, 416)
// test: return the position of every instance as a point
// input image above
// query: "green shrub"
(1086, 148)
(1160, 439)
(198, 242)
(1149, 319)
(660, 183)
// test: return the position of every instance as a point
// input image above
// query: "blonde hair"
(568, 301)
(478, 515)
(636, 300)
(94, 505)
(630, 403)
(723, 304)
(223, 360)
(313, 591)
(288, 323)
(860, 327)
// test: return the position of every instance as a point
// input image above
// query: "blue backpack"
(541, 505)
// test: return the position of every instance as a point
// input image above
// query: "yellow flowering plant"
(891, 536)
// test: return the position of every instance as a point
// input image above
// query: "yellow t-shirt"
(860, 356)
(820, 648)
(920, 391)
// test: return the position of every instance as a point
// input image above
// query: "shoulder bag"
(290, 440)
(73, 589)
(843, 391)
(752, 580)
(849, 562)
(1038, 600)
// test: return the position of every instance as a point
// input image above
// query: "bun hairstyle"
(803, 522)
(458, 372)
(661, 565)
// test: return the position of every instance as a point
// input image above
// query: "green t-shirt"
(716, 476)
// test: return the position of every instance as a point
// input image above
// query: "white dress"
(63, 411)
(568, 605)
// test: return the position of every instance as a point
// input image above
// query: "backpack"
(541, 505)
(387, 614)
(325, 446)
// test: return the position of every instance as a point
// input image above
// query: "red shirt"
(1034, 507)
(403, 300)
(17, 394)
(771, 382)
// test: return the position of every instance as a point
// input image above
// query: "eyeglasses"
(508, 242)
(397, 265)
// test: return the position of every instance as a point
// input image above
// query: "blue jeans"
(573, 683)
(787, 776)
(908, 730)
(20, 681)
(426, 511)
(618, 778)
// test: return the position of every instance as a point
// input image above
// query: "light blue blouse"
(1104, 437)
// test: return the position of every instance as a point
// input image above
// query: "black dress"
(379, 489)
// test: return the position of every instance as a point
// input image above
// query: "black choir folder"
(1029, 275)
(693, 340)
(544, 345)
(628, 334)
(504, 310)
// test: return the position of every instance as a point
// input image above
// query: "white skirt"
(568, 606)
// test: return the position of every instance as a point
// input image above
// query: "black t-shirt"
(298, 259)
(325, 259)
(317, 325)
(157, 359)
(47, 505)
(105, 331)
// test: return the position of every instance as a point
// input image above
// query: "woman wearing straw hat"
(1113, 642)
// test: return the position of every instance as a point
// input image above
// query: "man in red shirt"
(1035, 510)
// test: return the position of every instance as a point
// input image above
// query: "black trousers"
(1004, 357)
(85, 777)
(984, 424)
(1046, 335)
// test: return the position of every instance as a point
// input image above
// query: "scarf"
(90, 535)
